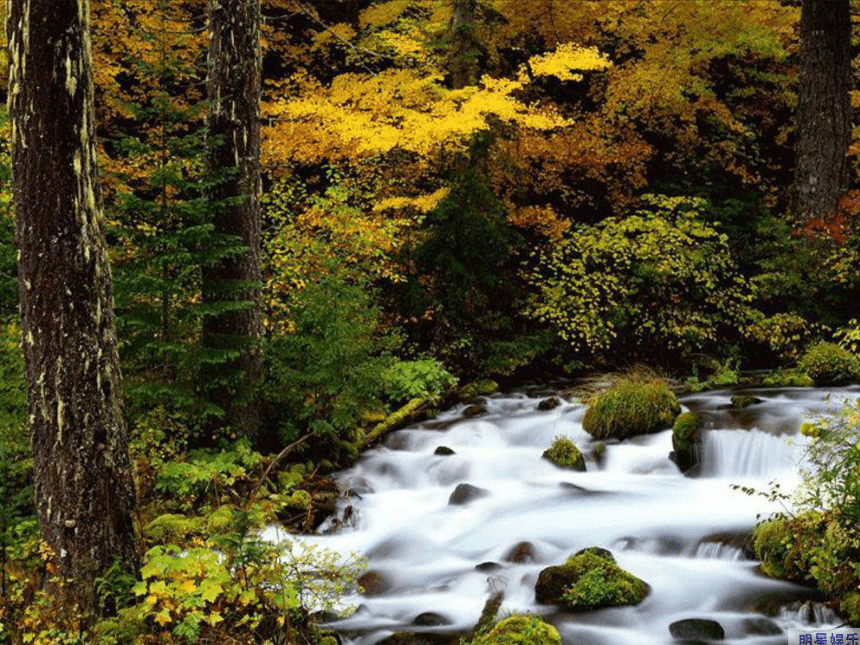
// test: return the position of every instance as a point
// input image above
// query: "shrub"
(631, 406)
(662, 280)
(564, 454)
(830, 363)
(409, 379)
(520, 630)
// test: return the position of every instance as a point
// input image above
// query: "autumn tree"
(824, 107)
(463, 56)
(234, 155)
(83, 486)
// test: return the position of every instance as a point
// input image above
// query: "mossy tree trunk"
(824, 108)
(234, 160)
(84, 490)
(463, 55)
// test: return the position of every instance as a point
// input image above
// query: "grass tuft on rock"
(633, 405)
(564, 454)
(520, 630)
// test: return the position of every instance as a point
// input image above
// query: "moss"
(395, 420)
(830, 363)
(590, 579)
(632, 406)
(685, 440)
(788, 378)
(471, 391)
(598, 450)
(520, 630)
(784, 546)
(564, 454)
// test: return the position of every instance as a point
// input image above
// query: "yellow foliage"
(567, 62)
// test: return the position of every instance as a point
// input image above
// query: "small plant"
(830, 363)
(633, 405)
(427, 377)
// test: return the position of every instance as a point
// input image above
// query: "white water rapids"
(682, 535)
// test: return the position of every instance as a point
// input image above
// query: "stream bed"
(684, 536)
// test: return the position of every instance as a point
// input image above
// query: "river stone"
(423, 638)
(741, 401)
(474, 410)
(521, 553)
(549, 404)
(761, 627)
(444, 451)
(465, 493)
(430, 619)
(593, 580)
(488, 566)
(697, 629)
(373, 583)
(686, 441)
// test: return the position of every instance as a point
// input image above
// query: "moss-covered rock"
(590, 579)
(686, 439)
(785, 546)
(741, 401)
(520, 630)
(471, 391)
(830, 363)
(549, 404)
(632, 406)
(788, 378)
(564, 454)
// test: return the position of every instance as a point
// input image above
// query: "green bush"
(632, 406)
(409, 379)
(830, 363)
(520, 630)
(564, 454)
(661, 281)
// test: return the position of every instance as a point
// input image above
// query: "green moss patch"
(590, 579)
(632, 406)
(564, 454)
(520, 630)
(685, 440)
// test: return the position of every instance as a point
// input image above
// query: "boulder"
(686, 440)
(549, 404)
(697, 629)
(741, 401)
(564, 454)
(474, 410)
(465, 493)
(488, 566)
(373, 583)
(589, 579)
(760, 626)
(520, 630)
(430, 619)
(521, 553)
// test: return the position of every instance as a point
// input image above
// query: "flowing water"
(682, 535)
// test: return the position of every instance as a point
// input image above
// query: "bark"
(84, 491)
(824, 108)
(463, 58)
(234, 158)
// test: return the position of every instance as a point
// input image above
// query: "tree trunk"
(463, 57)
(234, 160)
(824, 108)
(83, 485)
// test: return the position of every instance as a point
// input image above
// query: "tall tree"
(824, 107)
(463, 55)
(83, 485)
(234, 158)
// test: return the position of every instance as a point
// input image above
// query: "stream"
(683, 535)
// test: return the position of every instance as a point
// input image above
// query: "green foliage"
(333, 364)
(564, 454)
(785, 335)
(788, 378)
(520, 630)
(830, 363)
(661, 279)
(632, 405)
(422, 378)
(849, 336)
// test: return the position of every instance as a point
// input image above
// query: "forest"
(242, 242)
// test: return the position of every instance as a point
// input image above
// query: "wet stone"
(474, 410)
(373, 583)
(761, 627)
(522, 553)
(549, 404)
(697, 629)
(488, 566)
(465, 493)
(430, 619)
(444, 451)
